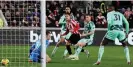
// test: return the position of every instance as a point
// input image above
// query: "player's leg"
(85, 42)
(80, 45)
(87, 51)
(77, 52)
(48, 59)
(122, 38)
(83, 50)
(76, 47)
(68, 47)
(68, 43)
(57, 45)
(60, 41)
(110, 36)
(74, 38)
(65, 53)
(101, 50)
(31, 49)
(126, 50)
(34, 57)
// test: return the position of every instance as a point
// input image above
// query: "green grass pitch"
(114, 56)
(17, 55)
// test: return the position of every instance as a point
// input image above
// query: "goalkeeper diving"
(35, 50)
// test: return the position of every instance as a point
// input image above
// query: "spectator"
(81, 21)
(131, 20)
(8, 17)
(36, 22)
(25, 22)
(36, 13)
(73, 9)
(123, 10)
(61, 10)
(127, 13)
(16, 12)
(27, 13)
(48, 23)
(100, 20)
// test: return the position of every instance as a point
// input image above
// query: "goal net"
(19, 29)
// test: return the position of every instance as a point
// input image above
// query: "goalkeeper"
(35, 50)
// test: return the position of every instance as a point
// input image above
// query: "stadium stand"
(55, 9)
(27, 13)
(21, 13)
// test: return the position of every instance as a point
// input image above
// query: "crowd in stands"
(21, 13)
(27, 13)
(97, 9)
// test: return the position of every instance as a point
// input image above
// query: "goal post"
(43, 33)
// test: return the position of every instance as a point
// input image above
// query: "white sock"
(100, 53)
(53, 52)
(75, 48)
(126, 50)
(65, 52)
(78, 51)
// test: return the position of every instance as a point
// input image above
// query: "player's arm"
(126, 24)
(67, 31)
(109, 20)
(91, 31)
(62, 19)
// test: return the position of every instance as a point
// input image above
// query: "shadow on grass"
(52, 62)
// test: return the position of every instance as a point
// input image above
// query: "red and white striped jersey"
(73, 27)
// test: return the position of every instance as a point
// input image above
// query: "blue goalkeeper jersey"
(37, 46)
(35, 51)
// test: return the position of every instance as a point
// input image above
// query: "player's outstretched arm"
(108, 20)
(126, 24)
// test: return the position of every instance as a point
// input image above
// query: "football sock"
(53, 52)
(65, 52)
(78, 51)
(82, 50)
(126, 50)
(100, 53)
(75, 48)
(69, 49)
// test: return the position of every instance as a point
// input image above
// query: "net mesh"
(20, 22)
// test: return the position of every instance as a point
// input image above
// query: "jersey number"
(117, 17)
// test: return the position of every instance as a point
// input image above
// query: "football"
(4, 62)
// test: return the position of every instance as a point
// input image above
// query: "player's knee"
(124, 43)
(105, 41)
(102, 43)
(67, 43)
(81, 44)
(48, 59)
(62, 40)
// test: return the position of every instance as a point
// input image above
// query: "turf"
(17, 55)
(114, 56)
